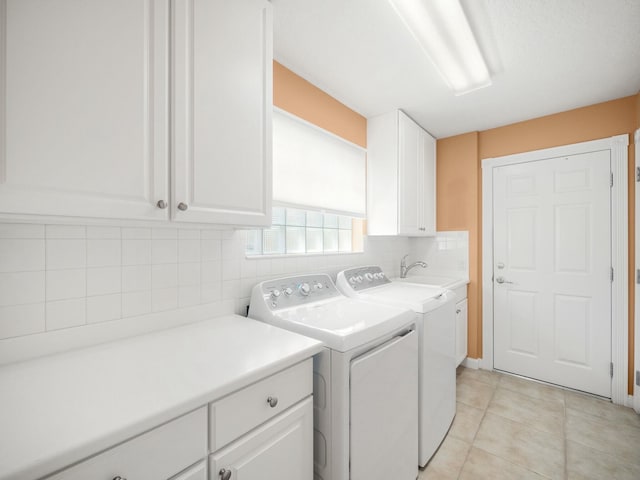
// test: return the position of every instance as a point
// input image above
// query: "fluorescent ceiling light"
(442, 30)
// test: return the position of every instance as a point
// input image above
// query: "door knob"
(502, 280)
(182, 206)
(225, 474)
(272, 401)
(161, 204)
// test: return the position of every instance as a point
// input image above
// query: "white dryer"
(364, 388)
(434, 309)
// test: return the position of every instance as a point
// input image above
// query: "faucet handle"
(403, 258)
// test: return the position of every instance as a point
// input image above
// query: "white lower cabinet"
(197, 472)
(461, 331)
(262, 431)
(281, 448)
(157, 454)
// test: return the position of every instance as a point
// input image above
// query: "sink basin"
(434, 280)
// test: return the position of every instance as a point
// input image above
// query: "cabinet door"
(197, 472)
(281, 448)
(83, 114)
(428, 185)
(461, 331)
(409, 148)
(222, 104)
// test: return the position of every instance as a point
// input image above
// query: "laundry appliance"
(435, 317)
(365, 390)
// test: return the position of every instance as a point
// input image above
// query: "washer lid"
(343, 323)
(419, 298)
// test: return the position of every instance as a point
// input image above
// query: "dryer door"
(384, 411)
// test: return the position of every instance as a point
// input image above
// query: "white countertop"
(57, 410)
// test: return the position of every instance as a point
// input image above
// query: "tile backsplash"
(56, 278)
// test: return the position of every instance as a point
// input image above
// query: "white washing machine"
(435, 320)
(364, 388)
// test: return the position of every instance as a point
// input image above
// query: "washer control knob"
(288, 291)
(275, 294)
(368, 276)
(359, 279)
(318, 286)
(304, 289)
(352, 280)
(381, 274)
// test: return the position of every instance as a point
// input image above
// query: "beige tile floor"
(510, 428)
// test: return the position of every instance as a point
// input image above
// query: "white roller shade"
(315, 169)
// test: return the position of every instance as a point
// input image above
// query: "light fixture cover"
(442, 30)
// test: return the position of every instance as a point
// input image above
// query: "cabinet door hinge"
(638, 378)
(637, 174)
(611, 180)
(611, 369)
(611, 274)
(638, 275)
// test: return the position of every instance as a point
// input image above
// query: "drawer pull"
(272, 401)
(118, 477)
(225, 474)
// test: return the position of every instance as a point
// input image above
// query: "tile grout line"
(473, 440)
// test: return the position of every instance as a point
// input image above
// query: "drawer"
(244, 410)
(158, 454)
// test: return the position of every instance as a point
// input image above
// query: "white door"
(83, 108)
(222, 104)
(552, 271)
(383, 439)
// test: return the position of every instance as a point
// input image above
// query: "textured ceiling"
(546, 56)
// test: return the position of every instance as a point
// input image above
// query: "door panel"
(85, 122)
(552, 292)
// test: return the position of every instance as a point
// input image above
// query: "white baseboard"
(473, 363)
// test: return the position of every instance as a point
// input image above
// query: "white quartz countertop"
(59, 409)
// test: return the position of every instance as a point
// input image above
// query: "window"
(319, 185)
(301, 232)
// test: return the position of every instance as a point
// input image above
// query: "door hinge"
(611, 369)
(611, 180)
(638, 275)
(638, 378)
(637, 174)
(611, 274)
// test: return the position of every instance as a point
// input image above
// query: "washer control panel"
(361, 278)
(294, 291)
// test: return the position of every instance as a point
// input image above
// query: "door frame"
(636, 362)
(618, 146)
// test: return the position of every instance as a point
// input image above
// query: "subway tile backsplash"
(55, 277)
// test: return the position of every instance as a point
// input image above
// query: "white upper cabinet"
(84, 109)
(222, 104)
(89, 93)
(401, 167)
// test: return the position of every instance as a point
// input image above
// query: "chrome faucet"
(404, 269)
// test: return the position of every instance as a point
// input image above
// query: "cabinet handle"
(225, 474)
(458, 310)
(118, 477)
(272, 401)
(182, 206)
(161, 204)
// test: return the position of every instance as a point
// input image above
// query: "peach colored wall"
(303, 99)
(456, 194)
(588, 123)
